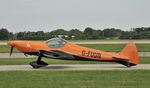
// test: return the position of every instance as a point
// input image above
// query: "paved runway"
(75, 67)
(21, 55)
(15, 55)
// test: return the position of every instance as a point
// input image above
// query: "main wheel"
(38, 64)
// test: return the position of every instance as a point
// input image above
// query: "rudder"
(131, 52)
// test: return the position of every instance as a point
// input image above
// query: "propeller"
(14, 37)
(12, 47)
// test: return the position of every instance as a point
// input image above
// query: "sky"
(48, 15)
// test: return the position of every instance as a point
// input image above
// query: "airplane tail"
(129, 55)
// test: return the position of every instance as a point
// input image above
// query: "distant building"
(61, 36)
(72, 36)
(64, 36)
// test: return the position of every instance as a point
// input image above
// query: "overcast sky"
(47, 15)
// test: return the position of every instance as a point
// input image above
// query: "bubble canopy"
(56, 42)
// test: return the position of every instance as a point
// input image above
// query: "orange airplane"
(58, 48)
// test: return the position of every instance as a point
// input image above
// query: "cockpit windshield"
(56, 42)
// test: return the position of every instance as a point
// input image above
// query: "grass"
(116, 47)
(3, 41)
(144, 60)
(6, 49)
(21, 61)
(107, 40)
(103, 47)
(75, 79)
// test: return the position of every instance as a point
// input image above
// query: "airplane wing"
(56, 54)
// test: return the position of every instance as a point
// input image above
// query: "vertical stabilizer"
(131, 52)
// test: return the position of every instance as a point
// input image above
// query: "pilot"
(60, 43)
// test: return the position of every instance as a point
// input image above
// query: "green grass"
(108, 40)
(116, 47)
(21, 61)
(75, 79)
(6, 49)
(3, 41)
(144, 60)
(103, 47)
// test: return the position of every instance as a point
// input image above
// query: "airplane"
(59, 48)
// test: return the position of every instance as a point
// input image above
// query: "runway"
(15, 55)
(75, 67)
(21, 55)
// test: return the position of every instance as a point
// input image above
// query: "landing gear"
(38, 63)
(128, 65)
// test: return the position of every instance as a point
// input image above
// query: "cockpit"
(56, 42)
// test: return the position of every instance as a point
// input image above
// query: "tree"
(59, 32)
(90, 33)
(4, 34)
(77, 34)
(125, 35)
(100, 34)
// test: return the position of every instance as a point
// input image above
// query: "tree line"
(75, 34)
